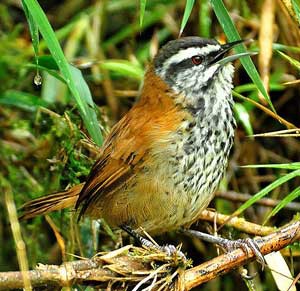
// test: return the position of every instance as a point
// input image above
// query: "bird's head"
(191, 65)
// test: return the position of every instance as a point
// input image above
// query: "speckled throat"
(202, 147)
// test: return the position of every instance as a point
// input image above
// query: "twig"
(236, 222)
(63, 275)
(16, 231)
(266, 110)
(289, 7)
(131, 265)
(243, 197)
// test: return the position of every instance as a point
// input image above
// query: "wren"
(162, 162)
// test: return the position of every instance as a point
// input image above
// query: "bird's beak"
(225, 48)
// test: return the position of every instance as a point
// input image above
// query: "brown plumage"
(52, 202)
(128, 148)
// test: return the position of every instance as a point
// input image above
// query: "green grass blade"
(85, 93)
(291, 60)
(232, 35)
(142, 11)
(124, 68)
(288, 166)
(187, 12)
(22, 100)
(34, 30)
(51, 72)
(250, 87)
(286, 200)
(48, 64)
(289, 48)
(243, 116)
(266, 190)
(87, 110)
(296, 8)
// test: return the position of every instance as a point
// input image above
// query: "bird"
(161, 163)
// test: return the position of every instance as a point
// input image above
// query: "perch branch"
(130, 265)
(229, 261)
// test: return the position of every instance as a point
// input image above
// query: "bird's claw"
(246, 245)
(171, 251)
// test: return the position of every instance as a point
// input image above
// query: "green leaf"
(251, 87)
(84, 91)
(124, 68)
(243, 116)
(49, 65)
(87, 111)
(288, 166)
(187, 12)
(286, 200)
(292, 61)
(142, 11)
(22, 100)
(266, 190)
(50, 71)
(34, 31)
(296, 7)
(232, 35)
(48, 61)
(282, 47)
(51, 90)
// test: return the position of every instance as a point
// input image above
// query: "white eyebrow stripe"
(187, 53)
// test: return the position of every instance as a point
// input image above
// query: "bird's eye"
(197, 60)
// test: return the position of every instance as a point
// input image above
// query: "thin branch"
(266, 110)
(289, 7)
(236, 222)
(16, 231)
(130, 265)
(63, 275)
(269, 202)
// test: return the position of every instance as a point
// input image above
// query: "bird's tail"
(52, 202)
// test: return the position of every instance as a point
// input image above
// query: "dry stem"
(236, 222)
(268, 202)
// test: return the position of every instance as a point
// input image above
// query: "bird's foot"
(247, 245)
(172, 251)
(169, 250)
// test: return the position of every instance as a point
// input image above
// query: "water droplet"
(37, 80)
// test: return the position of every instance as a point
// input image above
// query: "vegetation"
(53, 117)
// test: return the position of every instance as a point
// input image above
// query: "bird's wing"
(119, 161)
